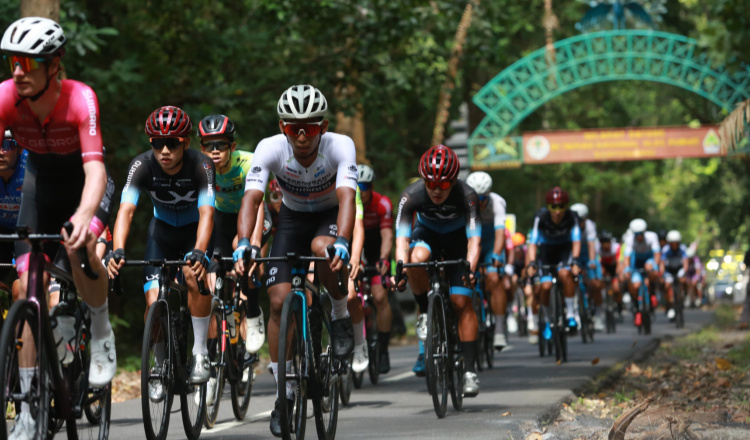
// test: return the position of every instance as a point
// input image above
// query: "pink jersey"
(73, 126)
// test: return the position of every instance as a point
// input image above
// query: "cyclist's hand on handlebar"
(77, 239)
(472, 281)
(354, 271)
(383, 266)
(575, 269)
(244, 255)
(114, 262)
(509, 270)
(341, 255)
(531, 269)
(198, 263)
(401, 286)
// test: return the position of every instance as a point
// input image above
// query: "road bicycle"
(226, 345)
(557, 322)
(610, 307)
(371, 326)
(305, 339)
(444, 362)
(59, 392)
(166, 355)
(584, 311)
(486, 323)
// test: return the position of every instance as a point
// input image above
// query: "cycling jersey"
(639, 253)
(230, 186)
(308, 189)
(177, 197)
(359, 212)
(10, 194)
(72, 129)
(378, 212)
(673, 258)
(588, 234)
(608, 258)
(493, 214)
(459, 210)
(547, 232)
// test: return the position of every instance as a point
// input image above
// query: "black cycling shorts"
(294, 233)
(449, 246)
(7, 271)
(49, 201)
(225, 229)
(373, 242)
(167, 242)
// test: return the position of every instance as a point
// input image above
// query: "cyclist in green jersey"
(216, 133)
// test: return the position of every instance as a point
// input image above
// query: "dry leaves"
(723, 364)
(534, 436)
(595, 361)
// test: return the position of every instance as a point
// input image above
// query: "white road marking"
(232, 424)
(398, 377)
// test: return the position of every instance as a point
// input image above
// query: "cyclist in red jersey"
(57, 121)
(378, 224)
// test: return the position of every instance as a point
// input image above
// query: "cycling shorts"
(373, 242)
(609, 269)
(553, 255)
(295, 232)
(168, 242)
(636, 277)
(50, 201)
(592, 273)
(448, 246)
(7, 273)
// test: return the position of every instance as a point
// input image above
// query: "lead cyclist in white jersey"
(317, 173)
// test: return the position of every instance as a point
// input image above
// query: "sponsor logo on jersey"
(176, 198)
(273, 271)
(255, 170)
(353, 168)
(400, 205)
(88, 95)
(134, 167)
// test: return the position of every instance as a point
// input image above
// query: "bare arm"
(247, 219)
(93, 189)
(386, 243)
(120, 235)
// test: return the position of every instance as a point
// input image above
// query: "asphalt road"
(522, 384)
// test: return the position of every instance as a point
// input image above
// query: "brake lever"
(83, 255)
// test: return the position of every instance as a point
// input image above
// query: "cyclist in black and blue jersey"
(180, 182)
(12, 168)
(447, 225)
(555, 239)
(674, 261)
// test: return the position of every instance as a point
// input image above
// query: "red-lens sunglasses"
(442, 184)
(308, 129)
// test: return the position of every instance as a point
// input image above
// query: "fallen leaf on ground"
(723, 364)
(595, 361)
(722, 382)
(534, 436)
(506, 414)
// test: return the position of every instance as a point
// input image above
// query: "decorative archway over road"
(586, 59)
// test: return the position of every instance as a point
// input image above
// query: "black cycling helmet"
(662, 233)
(605, 235)
(213, 125)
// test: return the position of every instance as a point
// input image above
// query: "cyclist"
(180, 182)
(695, 273)
(609, 250)
(662, 235)
(216, 134)
(354, 306)
(519, 274)
(378, 223)
(12, 169)
(493, 244)
(317, 172)
(641, 252)
(674, 262)
(447, 220)
(57, 122)
(555, 240)
(590, 261)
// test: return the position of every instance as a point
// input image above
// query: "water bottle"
(233, 327)
(64, 331)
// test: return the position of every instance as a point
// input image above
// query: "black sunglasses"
(215, 145)
(8, 145)
(170, 142)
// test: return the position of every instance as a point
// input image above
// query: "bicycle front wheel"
(242, 389)
(679, 306)
(156, 372)
(292, 347)
(373, 347)
(217, 344)
(436, 354)
(192, 396)
(558, 324)
(21, 325)
(326, 399)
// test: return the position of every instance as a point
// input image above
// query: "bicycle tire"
(97, 404)
(489, 348)
(357, 379)
(290, 329)
(373, 347)
(679, 306)
(192, 396)
(456, 379)
(558, 328)
(522, 317)
(610, 312)
(156, 332)
(326, 399)
(481, 332)
(217, 356)
(543, 344)
(242, 391)
(22, 314)
(646, 314)
(583, 313)
(436, 351)
(346, 385)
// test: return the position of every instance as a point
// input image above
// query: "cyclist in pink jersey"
(57, 121)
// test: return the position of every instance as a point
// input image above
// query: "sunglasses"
(557, 207)
(215, 145)
(364, 186)
(308, 129)
(8, 145)
(27, 64)
(170, 142)
(442, 184)
(482, 198)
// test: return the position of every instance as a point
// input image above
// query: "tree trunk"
(41, 8)
(354, 127)
(444, 99)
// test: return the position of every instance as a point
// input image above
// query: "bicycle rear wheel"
(97, 402)
(436, 353)
(489, 339)
(373, 347)
(522, 316)
(610, 311)
(217, 345)
(156, 372)
(290, 331)
(21, 318)
(192, 396)
(679, 306)
(242, 390)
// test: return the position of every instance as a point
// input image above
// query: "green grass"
(624, 396)
(725, 318)
(739, 356)
(691, 345)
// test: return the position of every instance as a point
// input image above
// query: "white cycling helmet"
(8, 134)
(302, 102)
(480, 182)
(580, 209)
(34, 37)
(365, 174)
(674, 236)
(638, 226)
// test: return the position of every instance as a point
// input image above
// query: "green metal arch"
(596, 57)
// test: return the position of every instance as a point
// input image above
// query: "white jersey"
(650, 244)
(494, 212)
(310, 189)
(588, 231)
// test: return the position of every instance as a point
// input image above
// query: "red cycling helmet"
(273, 186)
(168, 121)
(439, 163)
(557, 196)
(215, 125)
